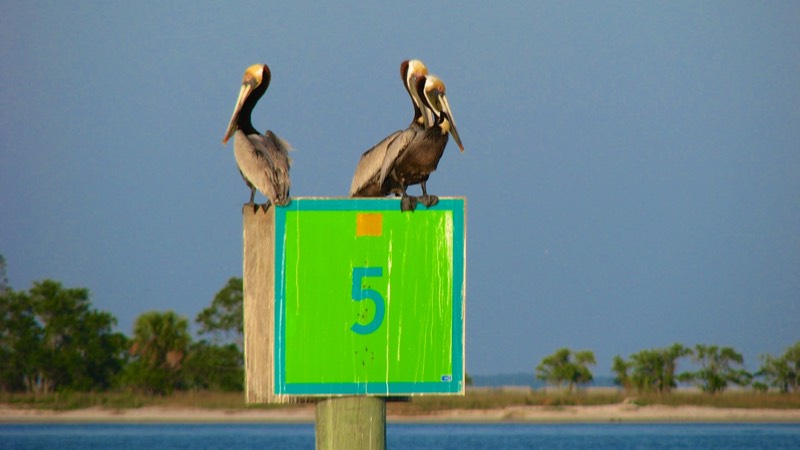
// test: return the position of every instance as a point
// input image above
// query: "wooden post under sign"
(353, 423)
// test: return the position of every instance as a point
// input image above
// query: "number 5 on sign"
(360, 293)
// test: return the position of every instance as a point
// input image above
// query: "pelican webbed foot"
(429, 200)
(251, 205)
(408, 203)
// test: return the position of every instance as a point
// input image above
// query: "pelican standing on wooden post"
(263, 160)
(370, 178)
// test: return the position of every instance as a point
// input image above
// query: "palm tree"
(718, 368)
(160, 342)
(566, 367)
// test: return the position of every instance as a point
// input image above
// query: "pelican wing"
(369, 166)
(264, 162)
(395, 151)
(281, 162)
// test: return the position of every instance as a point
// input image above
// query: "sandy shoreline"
(305, 414)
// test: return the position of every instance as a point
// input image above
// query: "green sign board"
(369, 299)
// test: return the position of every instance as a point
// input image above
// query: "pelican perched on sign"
(369, 179)
(263, 160)
(415, 163)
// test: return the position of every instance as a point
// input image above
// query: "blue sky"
(632, 169)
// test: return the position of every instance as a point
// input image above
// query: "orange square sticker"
(369, 224)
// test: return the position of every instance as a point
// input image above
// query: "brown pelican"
(418, 160)
(370, 178)
(263, 160)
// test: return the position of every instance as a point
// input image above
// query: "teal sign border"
(453, 386)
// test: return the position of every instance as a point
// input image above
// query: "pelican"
(419, 159)
(370, 178)
(263, 160)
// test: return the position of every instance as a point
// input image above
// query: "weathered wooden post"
(351, 423)
(353, 301)
(259, 304)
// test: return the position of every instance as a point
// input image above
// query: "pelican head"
(255, 77)
(411, 71)
(437, 101)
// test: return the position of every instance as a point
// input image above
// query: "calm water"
(407, 436)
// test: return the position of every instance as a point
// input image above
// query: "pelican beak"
(446, 111)
(243, 93)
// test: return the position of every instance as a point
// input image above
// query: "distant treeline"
(655, 370)
(53, 340)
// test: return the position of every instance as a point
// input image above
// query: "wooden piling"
(259, 301)
(353, 423)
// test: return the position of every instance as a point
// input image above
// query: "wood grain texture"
(259, 301)
(353, 423)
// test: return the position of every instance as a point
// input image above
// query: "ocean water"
(405, 436)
